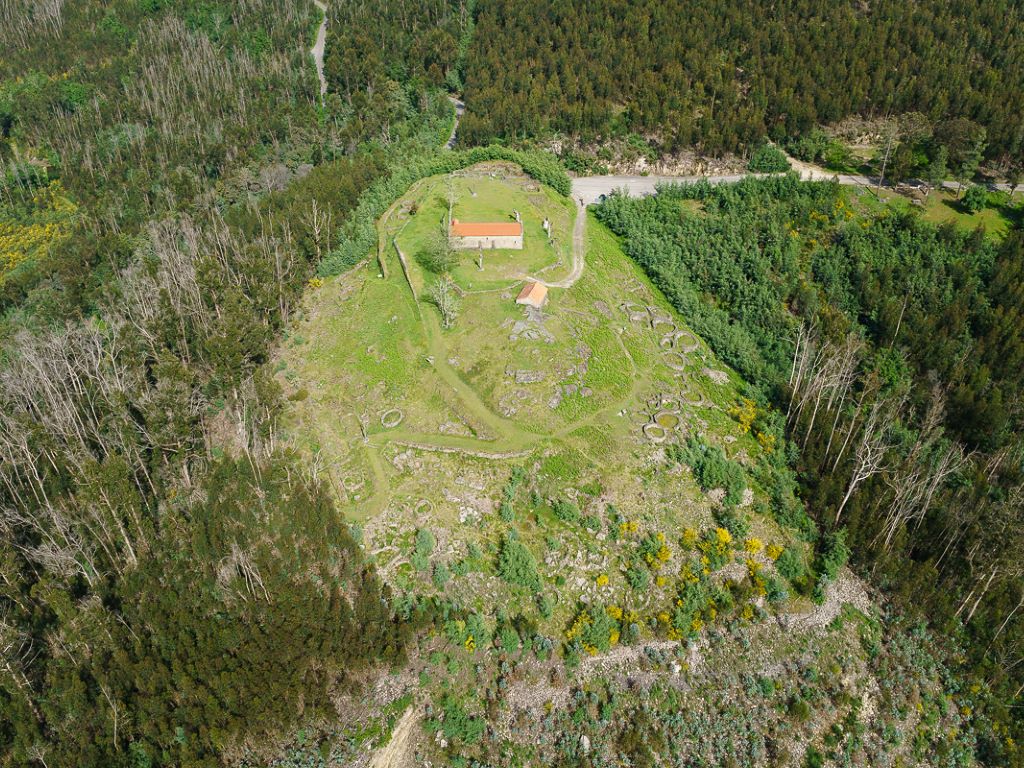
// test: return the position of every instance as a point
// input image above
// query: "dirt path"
(534, 690)
(460, 110)
(393, 754)
(505, 438)
(590, 189)
(845, 590)
(514, 436)
(318, 49)
(578, 251)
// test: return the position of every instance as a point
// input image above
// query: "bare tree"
(931, 461)
(821, 378)
(871, 454)
(319, 223)
(16, 654)
(444, 296)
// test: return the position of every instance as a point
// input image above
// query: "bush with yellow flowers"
(745, 412)
(766, 441)
(717, 547)
(595, 631)
(773, 551)
(698, 602)
(757, 581)
(655, 551)
(471, 633)
(33, 230)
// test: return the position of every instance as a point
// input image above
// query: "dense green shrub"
(638, 577)
(457, 725)
(733, 521)
(545, 605)
(506, 511)
(712, 469)
(813, 758)
(516, 563)
(975, 198)
(425, 541)
(441, 575)
(565, 510)
(768, 159)
(816, 146)
(799, 709)
(832, 554)
(790, 565)
(775, 590)
(422, 549)
(594, 629)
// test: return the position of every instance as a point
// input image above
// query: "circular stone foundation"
(352, 484)
(662, 325)
(686, 342)
(391, 418)
(655, 432)
(675, 360)
(423, 507)
(667, 420)
(693, 399)
(636, 312)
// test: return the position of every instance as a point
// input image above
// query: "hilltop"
(583, 496)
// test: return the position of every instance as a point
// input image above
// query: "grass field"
(477, 198)
(943, 207)
(557, 436)
(419, 427)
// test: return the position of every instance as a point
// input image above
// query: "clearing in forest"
(418, 427)
(578, 487)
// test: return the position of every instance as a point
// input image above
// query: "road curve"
(578, 251)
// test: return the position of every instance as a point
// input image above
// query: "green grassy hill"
(580, 492)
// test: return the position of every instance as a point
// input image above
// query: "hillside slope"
(582, 496)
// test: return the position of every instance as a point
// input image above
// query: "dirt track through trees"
(318, 49)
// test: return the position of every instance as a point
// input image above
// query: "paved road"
(589, 189)
(318, 49)
(460, 110)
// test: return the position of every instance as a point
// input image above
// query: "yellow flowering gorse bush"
(26, 237)
(745, 413)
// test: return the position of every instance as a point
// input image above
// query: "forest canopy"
(893, 348)
(177, 588)
(724, 75)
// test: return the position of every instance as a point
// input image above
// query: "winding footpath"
(578, 252)
(318, 49)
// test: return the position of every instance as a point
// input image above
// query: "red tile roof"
(485, 228)
(533, 293)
